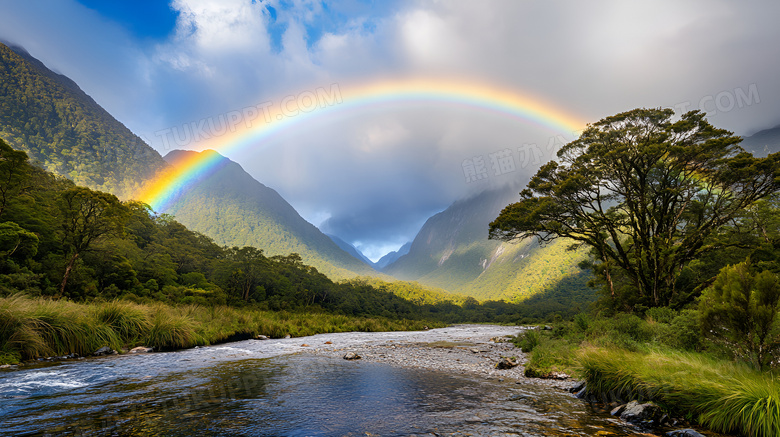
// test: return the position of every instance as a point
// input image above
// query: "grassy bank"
(723, 396)
(661, 358)
(36, 327)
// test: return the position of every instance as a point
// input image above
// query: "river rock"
(578, 386)
(636, 412)
(5, 366)
(351, 356)
(105, 350)
(506, 363)
(687, 432)
(261, 337)
(288, 336)
(141, 350)
(617, 411)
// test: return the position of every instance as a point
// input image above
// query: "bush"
(528, 340)
(660, 314)
(740, 310)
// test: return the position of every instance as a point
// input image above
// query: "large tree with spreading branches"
(645, 192)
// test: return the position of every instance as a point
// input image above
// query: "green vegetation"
(723, 396)
(659, 358)
(31, 328)
(740, 309)
(683, 229)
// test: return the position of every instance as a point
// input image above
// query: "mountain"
(452, 251)
(65, 131)
(392, 256)
(59, 126)
(350, 249)
(234, 209)
(763, 142)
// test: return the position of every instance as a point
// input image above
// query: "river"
(276, 387)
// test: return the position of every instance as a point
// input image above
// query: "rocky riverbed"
(461, 349)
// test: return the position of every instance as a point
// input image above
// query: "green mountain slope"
(234, 209)
(452, 252)
(48, 116)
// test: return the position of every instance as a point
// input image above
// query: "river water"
(254, 388)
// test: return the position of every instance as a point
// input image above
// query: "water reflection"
(289, 395)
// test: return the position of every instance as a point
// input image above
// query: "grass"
(35, 327)
(662, 359)
(723, 396)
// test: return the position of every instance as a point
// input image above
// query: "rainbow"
(270, 119)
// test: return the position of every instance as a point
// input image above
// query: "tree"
(88, 217)
(14, 174)
(740, 308)
(247, 267)
(645, 193)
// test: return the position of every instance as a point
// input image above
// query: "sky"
(374, 174)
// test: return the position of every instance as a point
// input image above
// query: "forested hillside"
(452, 252)
(48, 116)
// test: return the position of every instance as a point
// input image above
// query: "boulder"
(617, 411)
(288, 336)
(141, 350)
(105, 350)
(636, 412)
(687, 432)
(261, 337)
(506, 363)
(351, 356)
(578, 386)
(5, 366)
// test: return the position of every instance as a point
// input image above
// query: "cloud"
(378, 174)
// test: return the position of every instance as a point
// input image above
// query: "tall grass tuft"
(128, 320)
(170, 330)
(723, 396)
(19, 338)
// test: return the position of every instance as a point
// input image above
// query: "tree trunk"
(67, 273)
(609, 278)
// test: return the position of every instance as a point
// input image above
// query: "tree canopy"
(646, 193)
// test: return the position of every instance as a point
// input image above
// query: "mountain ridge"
(235, 209)
(65, 131)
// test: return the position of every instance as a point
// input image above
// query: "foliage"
(645, 193)
(741, 309)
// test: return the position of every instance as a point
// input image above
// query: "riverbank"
(33, 328)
